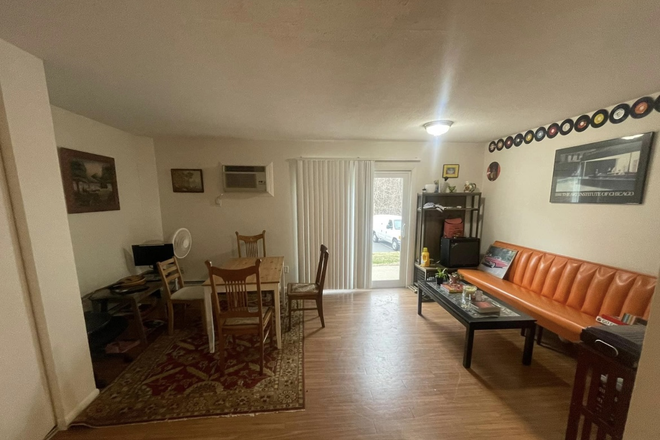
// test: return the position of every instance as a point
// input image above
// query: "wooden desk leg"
(208, 312)
(469, 341)
(138, 322)
(278, 318)
(419, 301)
(529, 345)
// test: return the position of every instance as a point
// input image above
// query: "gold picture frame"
(450, 170)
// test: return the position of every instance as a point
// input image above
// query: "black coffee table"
(509, 318)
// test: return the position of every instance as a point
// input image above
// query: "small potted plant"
(441, 276)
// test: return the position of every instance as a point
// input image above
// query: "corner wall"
(102, 240)
(518, 210)
(213, 227)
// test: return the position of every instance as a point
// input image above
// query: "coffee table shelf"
(509, 318)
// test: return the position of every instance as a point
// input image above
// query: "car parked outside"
(387, 228)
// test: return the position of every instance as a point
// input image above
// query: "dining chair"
(241, 316)
(310, 291)
(170, 273)
(251, 243)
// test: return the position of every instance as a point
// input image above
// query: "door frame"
(389, 169)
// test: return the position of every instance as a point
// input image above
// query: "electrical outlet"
(286, 269)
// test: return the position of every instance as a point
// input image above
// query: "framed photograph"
(90, 181)
(450, 171)
(612, 172)
(497, 261)
(187, 180)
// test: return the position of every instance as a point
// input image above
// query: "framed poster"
(90, 181)
(187, 180)
(612, 171)
(497, 261)
(450, 171)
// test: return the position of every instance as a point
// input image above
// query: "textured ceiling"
(350, 69)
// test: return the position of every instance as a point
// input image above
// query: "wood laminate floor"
(380, 371)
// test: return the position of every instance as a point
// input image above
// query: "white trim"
(371, 159)
(64, 424)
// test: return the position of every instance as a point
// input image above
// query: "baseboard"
(79, 408)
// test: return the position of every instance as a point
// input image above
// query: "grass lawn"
(385, 258)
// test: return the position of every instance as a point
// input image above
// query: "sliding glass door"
(391, 199)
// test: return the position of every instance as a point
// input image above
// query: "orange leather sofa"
(565, 295)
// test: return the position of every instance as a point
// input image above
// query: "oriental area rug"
(177, 378)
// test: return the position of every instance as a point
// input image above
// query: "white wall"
(518, 209)
(213, 227)
(33, 178)
(102, 240)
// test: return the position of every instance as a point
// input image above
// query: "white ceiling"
(342, 69)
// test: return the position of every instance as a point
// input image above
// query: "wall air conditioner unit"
(248, 178)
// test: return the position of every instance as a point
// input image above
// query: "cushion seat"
(189, 293)
(267, 313)
(302, 289)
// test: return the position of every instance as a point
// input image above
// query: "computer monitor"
(150, 254)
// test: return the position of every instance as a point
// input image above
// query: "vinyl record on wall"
(518, 140)
(492, 146)
(642, 107)
(500, 145)
(657, 104)
(529, 137)
(582, 123)
(566, 127)
(508, 143)
(539, 135)
(619, 113)
(553, 130)
(599, 118)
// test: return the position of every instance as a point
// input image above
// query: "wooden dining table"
(271, 272)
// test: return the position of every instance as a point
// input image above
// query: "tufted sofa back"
(591, 288)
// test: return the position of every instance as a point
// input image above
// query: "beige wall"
(35, 189)
(213, 227)
(102, 240)
(518, 208)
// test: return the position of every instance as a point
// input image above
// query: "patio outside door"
(391, 195)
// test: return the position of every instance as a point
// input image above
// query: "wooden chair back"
(251, 243)
(322, 268)
(235, 282)
(170, 271)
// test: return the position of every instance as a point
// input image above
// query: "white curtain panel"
(334, 207)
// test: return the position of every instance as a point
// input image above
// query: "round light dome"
(437, 128)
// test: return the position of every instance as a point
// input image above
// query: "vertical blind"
(334, 207)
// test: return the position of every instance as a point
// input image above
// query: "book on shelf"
(484, 307)
(609, 320)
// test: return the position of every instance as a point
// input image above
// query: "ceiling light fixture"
(437, 128)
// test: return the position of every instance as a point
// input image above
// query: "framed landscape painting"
(612, 171)
(90, 181)
(187, 180)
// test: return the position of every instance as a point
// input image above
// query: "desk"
(104, 296)
(270, 272)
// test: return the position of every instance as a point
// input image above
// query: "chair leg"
(170, 319)
(221, 350)
(203, 311)
(319, 306)
(273, 335)
(289, 299)
(261, 357)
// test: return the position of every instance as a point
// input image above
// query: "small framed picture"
(187, 180)
(450, 171)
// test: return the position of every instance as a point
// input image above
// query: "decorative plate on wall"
(508, 143)
(492, 147)
(529, 137)
(493, 171)
(518, 140)
(539, 135)
(642, 107)
(599, 118)
(566, 127)
(553, 130)
(657, 104)
(582, 123)
(500, 145)
(619, 113)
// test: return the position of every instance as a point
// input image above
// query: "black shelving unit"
(430, 222)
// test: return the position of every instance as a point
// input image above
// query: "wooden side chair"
(241, 317)
(170, 272)
(310, 291)
(251, 243)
